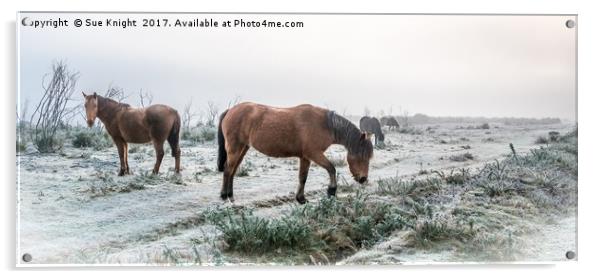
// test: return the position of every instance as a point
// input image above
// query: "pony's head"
(358, 145)
(91, 105)
(359, 157)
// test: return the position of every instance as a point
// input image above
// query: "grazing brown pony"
(126, 124)
(303, 131)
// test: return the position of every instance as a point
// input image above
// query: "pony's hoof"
(224, 196)
(331, 192)
(301, 199)
(121, 173)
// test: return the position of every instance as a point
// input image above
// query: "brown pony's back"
(258, 126)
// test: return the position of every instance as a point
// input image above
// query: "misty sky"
(520, 66)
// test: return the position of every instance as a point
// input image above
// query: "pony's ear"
(363, 136)
(84, 94)
(95, 95)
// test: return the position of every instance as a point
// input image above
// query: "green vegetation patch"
(331, 228)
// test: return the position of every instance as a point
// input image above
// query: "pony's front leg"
(125, 158)
(225, 185)
(322, 161)
(122, 163)
(303, 170)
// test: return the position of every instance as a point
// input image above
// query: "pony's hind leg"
(235, 156)
(322, 161)
(303, 170)
(159, 153)
(178, 153)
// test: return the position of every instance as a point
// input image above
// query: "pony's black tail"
(174, 136)
(222, 155)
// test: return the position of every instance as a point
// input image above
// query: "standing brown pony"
(303, 131)
(125, 124)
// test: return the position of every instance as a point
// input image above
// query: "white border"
(22, 264)
(590, 20)
(18, 208)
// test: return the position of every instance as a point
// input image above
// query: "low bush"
(200, 134)
(483, 126)
(94, 139)
(411, 130)
(455, 177)
(48, 144)
(542, 140)
(332, 227)
(250, 234)
(21, 147)
(431, 230)
(398, 186)
(83, 139)
(554, 136)
(461, 157)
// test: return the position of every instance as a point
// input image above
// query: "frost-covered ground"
(73, 208)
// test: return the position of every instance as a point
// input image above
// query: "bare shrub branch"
(188, 115)
(366, 111)
(234, 102)
(116, 93)
(146, 98)
(52, 111)
(212, 111)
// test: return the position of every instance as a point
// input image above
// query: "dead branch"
(52, 111)
(188, 115)
(212, 111)
(146, 98)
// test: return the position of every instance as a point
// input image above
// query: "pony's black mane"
(348, 135)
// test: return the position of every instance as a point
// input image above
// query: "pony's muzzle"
(90, 123)
(362, 180)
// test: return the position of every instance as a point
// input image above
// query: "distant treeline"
(420, 118)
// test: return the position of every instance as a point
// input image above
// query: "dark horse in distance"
(371, 125)
(304, 131)
(389, 121)
(126, 124)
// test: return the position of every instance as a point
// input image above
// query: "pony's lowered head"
(358, 144)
